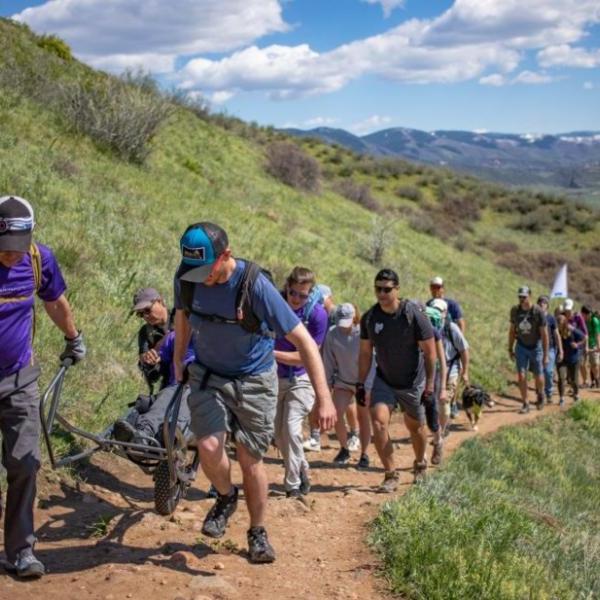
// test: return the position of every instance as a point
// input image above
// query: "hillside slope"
(115, 225)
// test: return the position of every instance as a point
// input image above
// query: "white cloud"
(221, 97)
(387, 5)
(531, 77)
(588, 85)
(120, 33)
(495, 80)
(320, 121)
(373, 123)
(568, 56)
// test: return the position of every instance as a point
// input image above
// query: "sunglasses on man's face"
(384, 289)
(521, 298)
(295, 294)
(145, 312)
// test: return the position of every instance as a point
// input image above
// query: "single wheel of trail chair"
(166, 493)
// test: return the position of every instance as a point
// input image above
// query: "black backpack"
(245, 316)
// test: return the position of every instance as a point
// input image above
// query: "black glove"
(360, 394)
(74, 348)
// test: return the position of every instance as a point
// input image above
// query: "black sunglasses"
(383, 289)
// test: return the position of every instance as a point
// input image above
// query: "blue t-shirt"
(227, 348)
(572, 355)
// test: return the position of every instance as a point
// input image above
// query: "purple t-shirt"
(166, 351)
(17, 288)
(317, 326)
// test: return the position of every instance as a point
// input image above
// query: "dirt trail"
(320, 545)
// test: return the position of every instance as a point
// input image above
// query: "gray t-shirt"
(454, 344)
(396, 338)
(527, 323)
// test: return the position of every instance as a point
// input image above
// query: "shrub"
(380, 239)
(423, 223)
(122, 114)
(410, 192)
(359, 193)
(290, 165)
(54, 44)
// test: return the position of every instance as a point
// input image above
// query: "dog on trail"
(474, 398)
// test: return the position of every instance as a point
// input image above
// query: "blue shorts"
(409, 399)
(529, 359)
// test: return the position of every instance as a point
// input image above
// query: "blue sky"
(363, 65)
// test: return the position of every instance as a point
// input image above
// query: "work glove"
(74, 348)
(360, 394)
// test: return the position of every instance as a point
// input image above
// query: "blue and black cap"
(201, 245)
(16, 224)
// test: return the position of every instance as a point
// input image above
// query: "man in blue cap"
(234, 312)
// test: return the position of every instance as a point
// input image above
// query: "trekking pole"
(170, 428)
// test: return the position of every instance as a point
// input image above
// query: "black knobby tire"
(166, 496)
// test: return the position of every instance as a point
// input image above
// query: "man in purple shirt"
(26, 269)
(296, 396)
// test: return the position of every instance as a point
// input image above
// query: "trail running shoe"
(353, 443)
(549, 400)
(342, 457)
(438, 451)
(363, 462)
(259, 549)
(304, 483)
(540, 402)
(312, 445)
(420, 471)
(293, 493)
(389, 483)
(524, 409)
(27, 566)
(215, 521)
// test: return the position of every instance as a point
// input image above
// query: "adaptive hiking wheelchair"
(173, 464)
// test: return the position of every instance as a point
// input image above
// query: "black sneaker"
(304, 483)
(363, 462)
(27, 566)
(524, 409)
(293, 493)
(259, 549)
(541, 401)
(215, 521)
(123, 431)
(343, 457)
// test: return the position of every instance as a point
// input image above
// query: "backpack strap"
(36, 267)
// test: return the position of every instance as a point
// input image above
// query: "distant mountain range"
(567, 160)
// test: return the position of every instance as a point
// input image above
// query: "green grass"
(115, 226)
(514, 515)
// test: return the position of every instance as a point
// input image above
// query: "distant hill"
(569, 160)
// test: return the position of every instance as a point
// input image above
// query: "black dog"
(473, 399)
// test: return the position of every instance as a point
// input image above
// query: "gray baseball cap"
(344, 315)
(144, 298)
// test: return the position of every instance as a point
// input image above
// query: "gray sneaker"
(420, 471)
(524, 409)
(390, 483)
(27, 566)
(438, 452)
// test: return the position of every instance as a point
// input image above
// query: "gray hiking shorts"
(244, 407)
(409, 399)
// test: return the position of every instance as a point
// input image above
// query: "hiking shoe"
(389, 483)
(353, 443)
(123, 431)
(524, 409)
(293, 493)
(420, 471)
(438, 451)
(549, 400)
(312, 445)
(259, 549)
(561, 402)
(342, 457)
(215, 521)
(304, 483)
(27, 566)
(363, 462)
(540, 402)
(454, 410)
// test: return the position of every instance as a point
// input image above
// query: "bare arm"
(559, 346)
(311, 359)
(441, 357)
(62, 316)
(462, 324)
(365, 357)
(428, 349)
(292, 359)
(511, 340)
(544, 333)
(183, 335)
(464, 365)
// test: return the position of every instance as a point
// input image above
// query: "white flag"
(559, 289)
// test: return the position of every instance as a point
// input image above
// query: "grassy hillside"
(513, 515)
(115, 223)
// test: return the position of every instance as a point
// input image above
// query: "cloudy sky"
(496, 65)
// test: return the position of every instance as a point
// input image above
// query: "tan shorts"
(593, 358)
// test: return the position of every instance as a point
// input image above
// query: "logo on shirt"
(378, 328)
(525, 326)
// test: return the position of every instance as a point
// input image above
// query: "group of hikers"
(258, 362)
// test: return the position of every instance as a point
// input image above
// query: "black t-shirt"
(395, 337)
(148, 337)
(527, 323)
